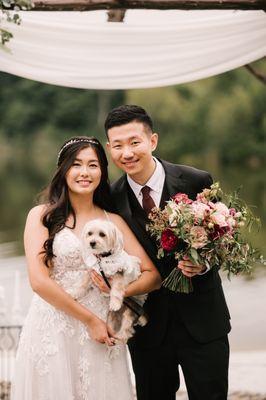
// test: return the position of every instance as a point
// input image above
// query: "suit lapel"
(122, 199)
(173, 178)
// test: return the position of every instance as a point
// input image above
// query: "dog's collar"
(104, 254)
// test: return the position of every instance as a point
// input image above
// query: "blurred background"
(217, 124)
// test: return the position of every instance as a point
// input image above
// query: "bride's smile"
(84, 175)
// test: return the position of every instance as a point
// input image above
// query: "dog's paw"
(142, 321)
(125, 335)
(115, 303)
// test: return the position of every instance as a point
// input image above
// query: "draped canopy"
(151, 48)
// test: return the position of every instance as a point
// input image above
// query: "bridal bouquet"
(208, 231)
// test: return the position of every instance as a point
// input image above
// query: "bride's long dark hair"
(56, 195)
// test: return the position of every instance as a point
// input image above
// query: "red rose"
(168, 240)
(181, 197)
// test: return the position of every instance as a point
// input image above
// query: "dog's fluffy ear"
(90, 225)
(88, 258)
(116, 239)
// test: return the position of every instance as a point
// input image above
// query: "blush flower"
(204, 196)
(198, 237)
(219, 214)
(199, 209)
(182, 198)
(168, 240)
(231, 222)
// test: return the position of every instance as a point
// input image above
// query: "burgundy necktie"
(147, 200)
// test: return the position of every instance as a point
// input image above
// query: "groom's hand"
(190, 269)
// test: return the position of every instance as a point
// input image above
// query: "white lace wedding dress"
(56, 358)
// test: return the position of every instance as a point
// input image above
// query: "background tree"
(217, 124)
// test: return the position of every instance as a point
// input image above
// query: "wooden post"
(87, 5)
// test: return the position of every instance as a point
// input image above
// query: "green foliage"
(6, 15)
(217, 124)
(220, 119)
(5, 36)
(35, 119)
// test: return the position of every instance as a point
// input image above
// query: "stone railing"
(9, 336)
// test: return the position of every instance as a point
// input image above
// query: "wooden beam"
(116, 15)
(89, 5)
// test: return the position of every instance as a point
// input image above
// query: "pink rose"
(219, 214)
(218, 219)
(181, 198)
(168, 240)
(221, 208)
(232, 211)
(231, 222)
(198, 237)
(203, 197)
(199, 209)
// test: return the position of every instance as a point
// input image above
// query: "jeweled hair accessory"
(73, 141)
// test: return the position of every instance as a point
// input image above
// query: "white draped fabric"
(150, 49)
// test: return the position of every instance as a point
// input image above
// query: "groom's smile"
(130, 163)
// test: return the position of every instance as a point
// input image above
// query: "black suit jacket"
(204, 311)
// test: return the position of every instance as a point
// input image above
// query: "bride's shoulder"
(37, 211)
(116, 219)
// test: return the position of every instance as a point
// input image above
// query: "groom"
(189, 330)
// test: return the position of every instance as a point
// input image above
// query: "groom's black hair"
(125, 114)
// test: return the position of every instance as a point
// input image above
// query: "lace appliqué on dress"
(51, 322)
(53, 344)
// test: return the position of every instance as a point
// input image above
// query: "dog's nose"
(92, 244)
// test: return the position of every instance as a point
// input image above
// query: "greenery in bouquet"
(208, 230)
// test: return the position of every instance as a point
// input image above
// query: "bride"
(66, 350)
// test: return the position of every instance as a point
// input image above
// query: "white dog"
(103, 252)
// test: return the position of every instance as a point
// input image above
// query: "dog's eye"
(89, 233)
(102, 234)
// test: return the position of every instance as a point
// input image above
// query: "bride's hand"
(99, 282)
(98, 331)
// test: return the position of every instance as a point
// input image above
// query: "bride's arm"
(150, 278)
(35, 235)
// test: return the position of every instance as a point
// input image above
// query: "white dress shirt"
(155, 183)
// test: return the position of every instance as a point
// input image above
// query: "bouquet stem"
(177, 282)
